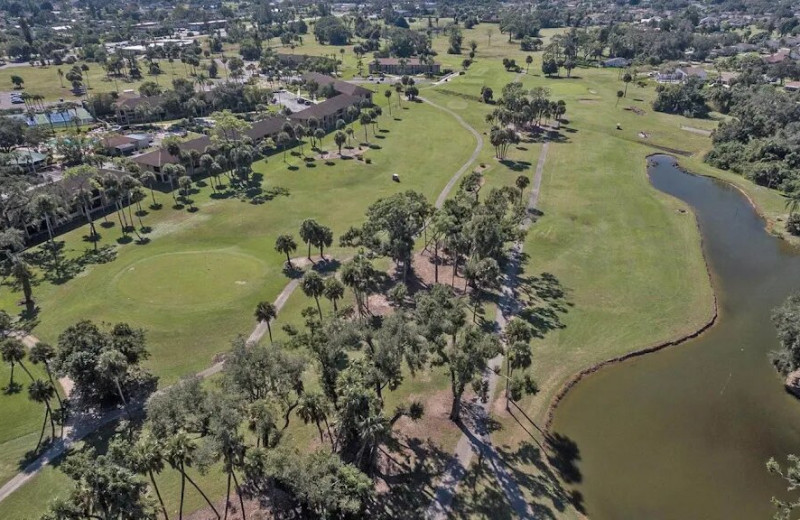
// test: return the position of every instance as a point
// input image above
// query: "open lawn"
(45, 80)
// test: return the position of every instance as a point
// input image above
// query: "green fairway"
(190, 279)
(45, 80)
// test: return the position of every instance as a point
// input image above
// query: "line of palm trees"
(13, 352)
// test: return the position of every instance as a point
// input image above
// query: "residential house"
(681, 75)
(155, 160)
(342, 87)
(133, 108)
(125, 144)
(329, 111)
(792, 86)
(403, 66)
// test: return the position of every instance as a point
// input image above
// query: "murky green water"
(685, 433)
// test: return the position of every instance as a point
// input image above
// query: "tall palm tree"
(180, 450)
(334, 291)
(286, 244)
(147, 457)
(44, 353)
(522, 182)
(46, 207)
(148, 178)
(266, 312)
(365, 120)
(313, 407)
(13, 352)
(388, 95)
(41, 392)
(313, 286)
(24, 276)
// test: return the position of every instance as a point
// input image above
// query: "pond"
(685, 432)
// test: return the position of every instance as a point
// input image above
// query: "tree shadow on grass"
(516, 166)
(411, 468)
(58, 268)
(541, 300)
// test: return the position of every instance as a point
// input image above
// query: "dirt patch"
(253, 510)
(698, 131)
(379, 305)
(347, 153)
(636, 110)
(425, 271)
(588, 101)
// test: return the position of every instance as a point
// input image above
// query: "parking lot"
(5, 100)
(291, 100)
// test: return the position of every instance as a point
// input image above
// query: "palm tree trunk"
(228, 496)
(183, 490)
(52, 382)
(205, 497)
(319, 309)
(122, 396)
(52, 422)
(269, 329)
(26, 371)
(44, 425)
(158, 494)
(239, 492)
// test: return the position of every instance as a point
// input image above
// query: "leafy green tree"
(518, 335)
(481, 275)
(104, 489)
(463, 349)
(392, 225)
(98, 379)
(113, 364)
(265, 373)
(791, 475)
(785, 318)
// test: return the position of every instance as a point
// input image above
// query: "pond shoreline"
(682, 338)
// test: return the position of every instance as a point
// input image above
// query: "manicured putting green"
(191, 278)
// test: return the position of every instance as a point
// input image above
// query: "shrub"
(793, 224)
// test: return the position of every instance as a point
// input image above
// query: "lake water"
(685, 433)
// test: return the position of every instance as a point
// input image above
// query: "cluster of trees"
(519, 110)
(331, 30)
(685, 98)
(786, 319)
(760, 140)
